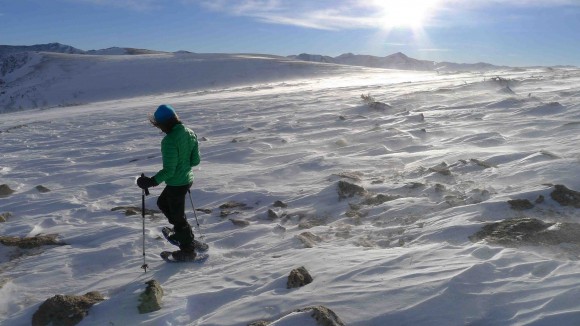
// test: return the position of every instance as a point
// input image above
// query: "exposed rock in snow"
(150, 299)
(65, 309)
(528, 231)
(31, 242)
(5, 190)
(565, 196)
(520, 204)
(315, 315)
(298, 277)
(347, 189)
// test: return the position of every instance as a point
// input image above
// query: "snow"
(283, 130)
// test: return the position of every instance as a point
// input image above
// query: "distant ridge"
(394, 61)
(50, 47)
(63, 48)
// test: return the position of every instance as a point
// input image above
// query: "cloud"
(139, 5)
(522, 3)
(320, 14)
(355, 14)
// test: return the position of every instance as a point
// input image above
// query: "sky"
(502, 32)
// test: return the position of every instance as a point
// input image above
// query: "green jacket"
(180, 152)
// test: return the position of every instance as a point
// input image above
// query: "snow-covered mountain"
(43, 79)
(395, 61)
(6, 50)
(50, 47)
(49, 75)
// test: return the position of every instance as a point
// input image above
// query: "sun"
(399, 14)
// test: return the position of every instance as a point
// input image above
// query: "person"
(180, 152)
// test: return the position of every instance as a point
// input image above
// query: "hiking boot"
(183, 255)
(188, 247)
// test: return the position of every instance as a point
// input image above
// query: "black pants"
(172, 203)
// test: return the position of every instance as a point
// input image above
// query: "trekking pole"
(195, 214)
(144, 193)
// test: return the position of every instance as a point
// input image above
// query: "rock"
(511, 232)
(204, 210)
(540, 199)
(134, 210)
(5, 216)
(232, 204)
(565, 196)
(379, 199)
(442, 169)
(346, 189)
(520, 204)
(529, 231)
(150, 300)
(31, 242)
(274, 214)
(483, 164)
(280, 204)
(241, 223)
(298, 277)
(65, 310)
(226, 212)
(309, 239)
(311, 222)
(42, 189)
(352, 175)
(439, 187)
(279, 229)
(260, 323)
(5, 190)
(321, 314)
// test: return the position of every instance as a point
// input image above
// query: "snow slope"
(273, 137)
(57, 79)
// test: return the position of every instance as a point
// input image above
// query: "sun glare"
(412, 14)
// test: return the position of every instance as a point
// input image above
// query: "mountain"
(49, 75)
(6, 50)
(394, 61)
(50, 47)
(122, 51)
(31, 80)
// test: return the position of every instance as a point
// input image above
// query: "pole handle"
(146, 189)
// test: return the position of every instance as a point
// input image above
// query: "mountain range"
(63, 48)
(394, 61)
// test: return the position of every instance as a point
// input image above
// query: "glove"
(145, 182)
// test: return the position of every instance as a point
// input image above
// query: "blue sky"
(507, 32)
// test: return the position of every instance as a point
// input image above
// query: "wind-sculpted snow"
(419, 179)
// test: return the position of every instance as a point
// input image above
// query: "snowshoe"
(168, 233)
(181, 257)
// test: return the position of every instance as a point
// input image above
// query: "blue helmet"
(164, 113)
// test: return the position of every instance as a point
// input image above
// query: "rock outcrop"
(65, 310)
(298, 277)
(150, 300)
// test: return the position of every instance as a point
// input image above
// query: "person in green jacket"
(180, 152)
